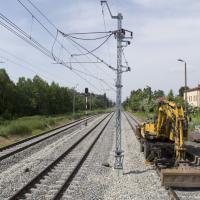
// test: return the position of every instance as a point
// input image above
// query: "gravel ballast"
(21, 172)
(99, 180)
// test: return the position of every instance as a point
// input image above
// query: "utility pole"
(120, 35)
(90, 101)
(185, 76)
(104, 100)
(86, 100)
(74, 99)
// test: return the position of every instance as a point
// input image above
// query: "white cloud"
(163, 32)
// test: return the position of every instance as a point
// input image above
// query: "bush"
(36, 124)
(50, 121)
(16, 129)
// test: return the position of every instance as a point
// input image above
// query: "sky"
(163, 31)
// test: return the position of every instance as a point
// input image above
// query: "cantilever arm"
(105, 2)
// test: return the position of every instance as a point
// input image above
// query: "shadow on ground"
(137, 171)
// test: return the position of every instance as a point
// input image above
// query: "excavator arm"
(169, 125)
(169, 131)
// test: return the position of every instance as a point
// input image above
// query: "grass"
(25, 125)
(195, 121)
(142, 116)
(20, 128)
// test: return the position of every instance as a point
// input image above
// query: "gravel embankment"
(52, 182)
(138, 181)
(21, 172)
(89, 182)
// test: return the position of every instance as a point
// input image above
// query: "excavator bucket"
(181, 177)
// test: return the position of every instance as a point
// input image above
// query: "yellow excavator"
(162, 141)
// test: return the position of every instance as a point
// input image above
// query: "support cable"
(91, 53)
(47, 54)
(19, 65)
(97, 38)
(125, 60)
(59, 30)
(95, 63)
(30, 40)
(93, 50)
(55, 38)
(22, 60)
(104, 22)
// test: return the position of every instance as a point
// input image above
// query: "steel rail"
(171, 192)
(132, 127)
(66, 184)
(25, 189)
(68, 126)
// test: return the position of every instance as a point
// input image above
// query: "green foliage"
(170, 96)
(182, 90)
(143, 100)
(179, 100)
(7, 95)
(35, 124)
(25, 125)
(36, 97)
(15, 129)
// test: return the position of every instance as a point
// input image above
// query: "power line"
(125, 58)
(96, 38)
(59, 30)
(26, 62)
(55, 38)
(95, 77)
(42, 14)
(86, 33)
(10, 29)
(95, 63)
(30, 40)
(91, 53)
(56, 26)
(93, 50)
(19, 65)
(86, 80)
(104, 22)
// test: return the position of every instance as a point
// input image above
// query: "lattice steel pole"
(120, 35)
(118, 151)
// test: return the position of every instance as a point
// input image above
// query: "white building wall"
(198, 94)
(193, 98)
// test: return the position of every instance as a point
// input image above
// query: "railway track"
(54, 179)
(14, 148)
(174, 193)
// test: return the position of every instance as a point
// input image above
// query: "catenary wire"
(44, 52)
(33, 42)
(45, 27)
(50, 22)
(93, 50)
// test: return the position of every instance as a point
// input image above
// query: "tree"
(24, 101)
(182, 90)
(158, 94)
(170, 95)
(40, 95)
(36, 96)
(7, 95)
